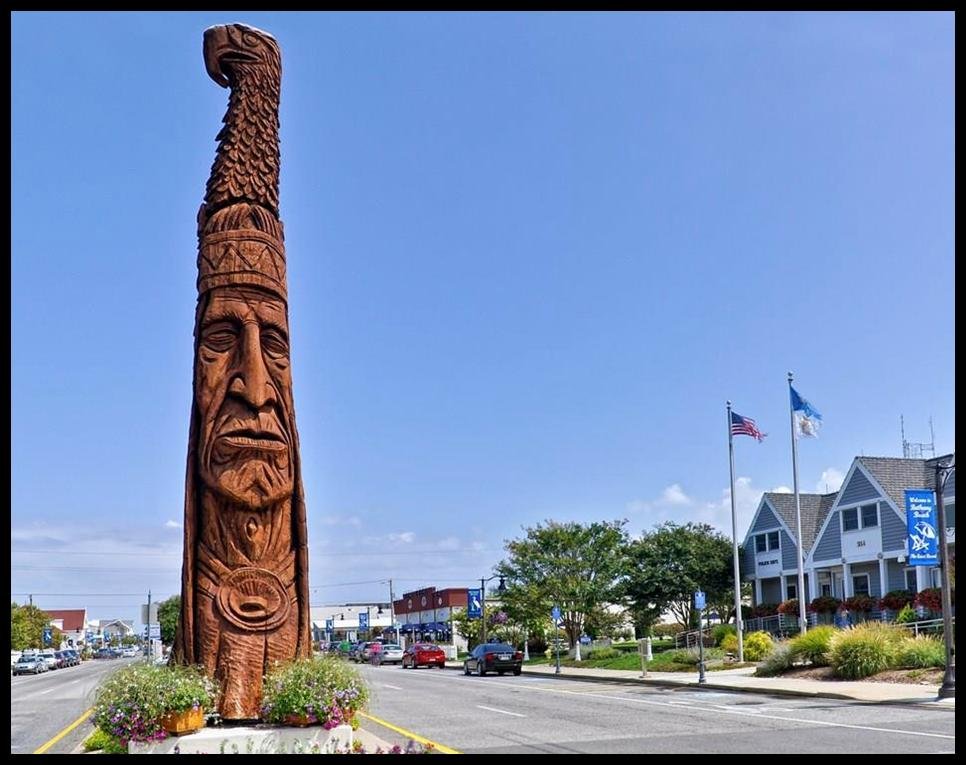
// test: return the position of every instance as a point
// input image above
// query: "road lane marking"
(757, 716)
(394, 687)
(47, 691)
(501, 711)
(64, 732)
(409, 734)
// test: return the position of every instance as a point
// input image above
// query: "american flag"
(745, 426)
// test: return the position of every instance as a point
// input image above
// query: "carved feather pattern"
(246, 166)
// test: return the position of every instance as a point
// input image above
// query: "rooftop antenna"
(917, 450)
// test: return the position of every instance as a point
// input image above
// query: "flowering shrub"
(499, 617)
(789, 607)
(825, 605)
(860, 603)
(323, 689)
(931, 599)
(896, 600)
(764, 609)
(131, 702)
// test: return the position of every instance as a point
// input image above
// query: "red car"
(423, 653)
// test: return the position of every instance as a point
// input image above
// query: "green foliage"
(574, 566)
(729, 643)
(907, 615)
(105, 742)
(666, 630)
(27, 625)
(602, 622)
(325, 688)
(604, 653)
(720, 631)
(666, 566)
(778, 659)
(864, 650)
(130, 703)
(757, 646)
(813, 646)
(921, 651)
(169, 611)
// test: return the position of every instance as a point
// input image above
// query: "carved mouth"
(247, 438)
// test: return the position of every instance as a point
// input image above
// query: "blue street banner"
(363, 622)
(329, 623)
(48, 636)
(699, 600)
(474, 604)
(922, 526)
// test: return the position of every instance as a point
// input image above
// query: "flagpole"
(734, 541)
(798, 516)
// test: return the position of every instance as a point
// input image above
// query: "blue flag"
(807, 418)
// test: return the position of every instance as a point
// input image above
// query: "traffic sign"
(699, 600)
(555, 613)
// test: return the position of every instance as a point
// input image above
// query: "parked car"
(63, 660)
(50, 656)
(493, 657)
(14, 658)
(364, 653)
(74, 656)
(105, 653)
(30, 664)
(392, 653)
(423, 653)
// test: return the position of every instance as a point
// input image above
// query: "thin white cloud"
(830, 481)
(781, 490)
(674, 495)
(172, 525)
(405, 537)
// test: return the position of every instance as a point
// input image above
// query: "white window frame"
(767, 536)
(868, 585)
(858, 517)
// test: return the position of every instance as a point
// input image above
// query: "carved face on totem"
(243, 390)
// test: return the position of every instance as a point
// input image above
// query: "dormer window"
(766, 542)
(855, 518)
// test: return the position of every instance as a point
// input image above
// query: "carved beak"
(216, 44)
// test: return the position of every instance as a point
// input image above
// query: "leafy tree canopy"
(168, 612)
(574, 566)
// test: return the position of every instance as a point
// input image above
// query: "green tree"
(27, 625)
(574, 566)
(168, 613)
(669, 564)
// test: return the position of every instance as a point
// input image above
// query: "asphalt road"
(548, 715)
(41, 706)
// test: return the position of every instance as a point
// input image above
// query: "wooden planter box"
(179, 723)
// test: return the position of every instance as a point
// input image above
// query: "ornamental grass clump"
(813, 646)
(777, 661)
(324, 690)
(865, 650)
(130, 704)
(922, 651)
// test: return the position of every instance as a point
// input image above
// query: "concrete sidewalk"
(743, 680)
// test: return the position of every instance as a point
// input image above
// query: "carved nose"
(252, 383)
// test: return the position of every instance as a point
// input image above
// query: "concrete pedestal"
(256, 739)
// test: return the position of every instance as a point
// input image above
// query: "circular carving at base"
(253, 599)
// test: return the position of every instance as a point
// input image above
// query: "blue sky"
(530, 256)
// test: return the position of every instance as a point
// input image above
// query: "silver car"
(33, 664)
(392, 653)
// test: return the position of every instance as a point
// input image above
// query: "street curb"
(736, 689)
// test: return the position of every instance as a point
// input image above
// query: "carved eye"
(274, 342)
(220, 337)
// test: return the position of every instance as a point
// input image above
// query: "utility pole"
(149, 622)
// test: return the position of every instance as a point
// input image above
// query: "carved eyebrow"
(269, 324)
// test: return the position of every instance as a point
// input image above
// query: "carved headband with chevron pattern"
(239, 257)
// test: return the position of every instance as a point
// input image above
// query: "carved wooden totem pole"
(244, 581)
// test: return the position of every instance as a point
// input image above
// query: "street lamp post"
(948, 688)
(501, 589)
